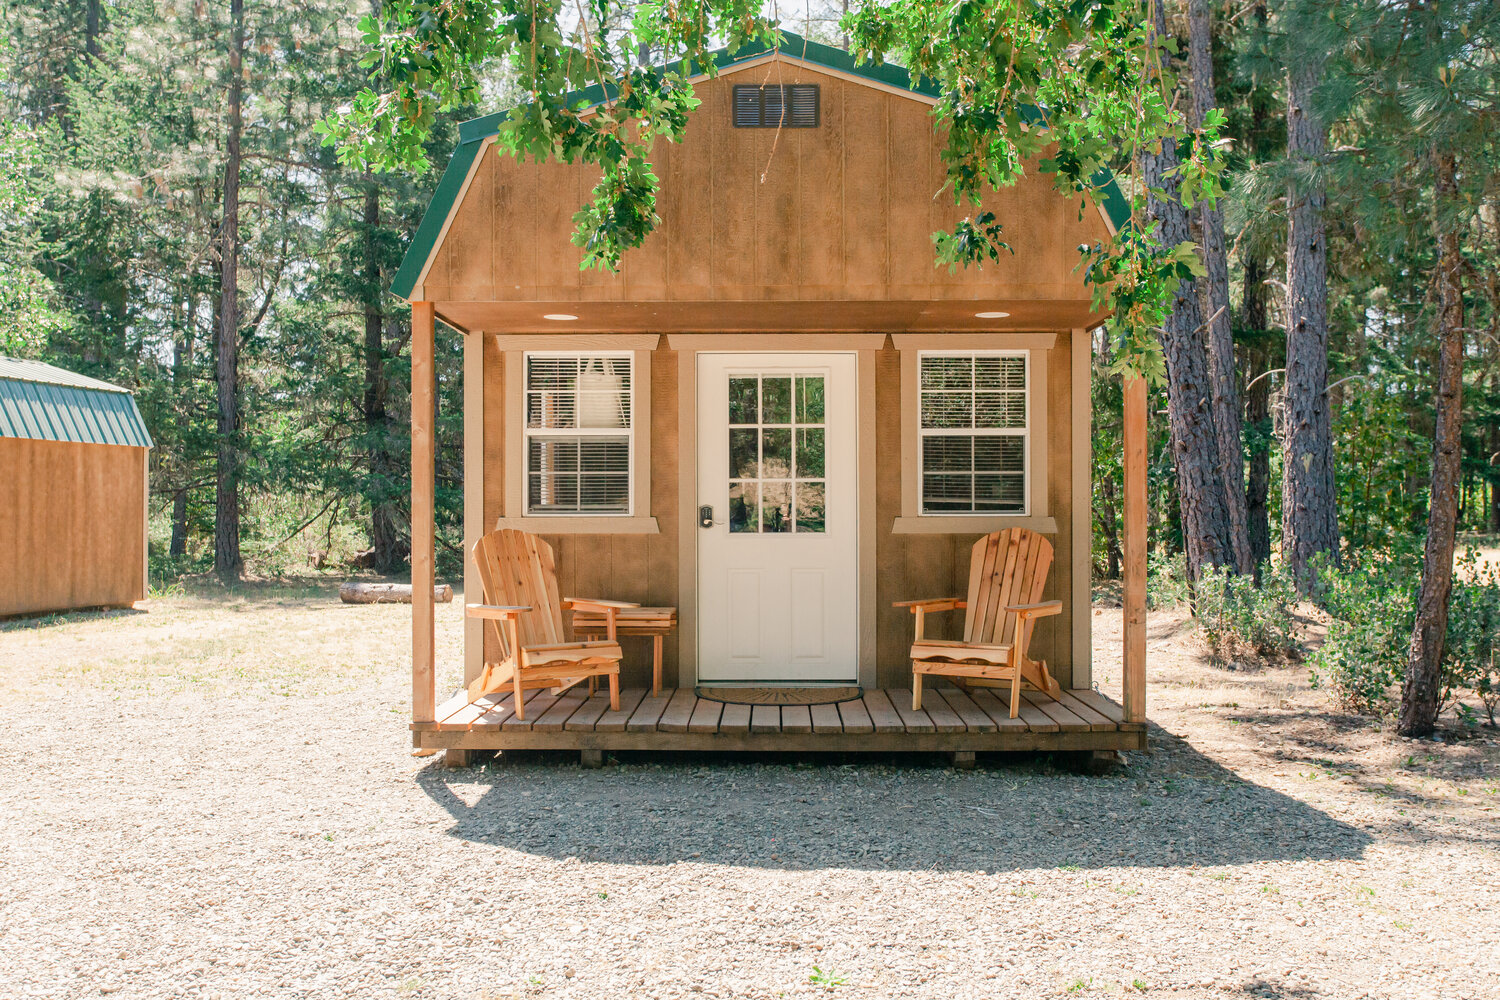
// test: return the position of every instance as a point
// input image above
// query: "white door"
(778, 543)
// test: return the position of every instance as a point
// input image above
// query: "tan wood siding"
(841, 212)
(645, 568)
(72, 522)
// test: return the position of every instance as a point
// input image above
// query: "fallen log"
(352, 592)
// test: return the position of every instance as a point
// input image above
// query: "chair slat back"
(1005, 568)
(517, 568)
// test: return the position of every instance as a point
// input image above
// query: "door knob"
(705, 516)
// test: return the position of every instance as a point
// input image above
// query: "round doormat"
(781, 695)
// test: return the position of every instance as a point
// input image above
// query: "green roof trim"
(472, 133)
(45, 403)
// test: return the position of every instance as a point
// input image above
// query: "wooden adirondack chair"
(519, 578)
(1007, 571)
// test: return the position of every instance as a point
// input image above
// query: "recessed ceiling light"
(991, 315)
(560, 317)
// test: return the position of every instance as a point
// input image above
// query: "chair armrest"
(1040, 610)
(932, 604)
(499, 612)
(590, 604)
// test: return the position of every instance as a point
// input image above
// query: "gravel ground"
(216, 799)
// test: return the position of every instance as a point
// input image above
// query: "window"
(793, 105)
(579, 433)
(973, 433)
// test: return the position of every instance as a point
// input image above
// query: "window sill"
(971, 524)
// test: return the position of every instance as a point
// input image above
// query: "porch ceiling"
(740, 316)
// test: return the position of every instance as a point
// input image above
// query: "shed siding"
(840, 212)
(72, 525)
(644, 568)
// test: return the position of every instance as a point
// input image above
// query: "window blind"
(579, 433)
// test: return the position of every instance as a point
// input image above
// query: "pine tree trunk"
(1258, 418)
(228, 563)
(1195, 451)
(1226, 402)
(386, 540)
(1309, 519)
(182, 359)
(1423, 684)
(1495, 457)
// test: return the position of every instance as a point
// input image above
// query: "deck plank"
(536, 706)
(915, 720)
(856, 716)
(883, 715)
(973, 716)
(503, 709)
(825, 718)
(648, 713)
(997, 710)
(944, 719)
(736, 719)
(582, 721)
(1066, 721)
(796, 719)
(765, 719)
(614, 722)
(555, 719)
(1035, 718)
(705, 717)
(679, 711)
(1097, 722)
(446, 710)
(1108, 708)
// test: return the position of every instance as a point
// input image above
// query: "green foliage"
(1167, 583)
(1381, 462)
(1239, 615)
(1372, 609)
(1471, 653)
(1095, 72)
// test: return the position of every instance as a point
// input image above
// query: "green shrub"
(1166, 579)
(1373, 608)
(1239, 617)
(1472, 649)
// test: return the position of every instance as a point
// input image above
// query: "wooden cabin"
(73, 471)
(789, 301)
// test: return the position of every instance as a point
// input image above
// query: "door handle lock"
(705, 516)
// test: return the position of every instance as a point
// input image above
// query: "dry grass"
(289, 638)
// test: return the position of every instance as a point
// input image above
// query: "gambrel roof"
(473, 136)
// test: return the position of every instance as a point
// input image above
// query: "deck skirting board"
(781, 742)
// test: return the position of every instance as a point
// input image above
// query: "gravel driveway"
(234, 826)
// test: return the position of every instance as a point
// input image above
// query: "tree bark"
(1309, 519)
(386, 537)
(1195, 451)
(1423, 684)
(182, 359)
(388, 593)
(1258, 419)
(228, 563)
(1226, 403)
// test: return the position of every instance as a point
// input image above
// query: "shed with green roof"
(73, 478)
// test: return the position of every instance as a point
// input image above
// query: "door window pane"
(776, 454)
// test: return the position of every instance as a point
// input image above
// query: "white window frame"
(1024, 433)
(528, 433)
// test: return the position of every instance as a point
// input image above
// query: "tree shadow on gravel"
(1173, 807)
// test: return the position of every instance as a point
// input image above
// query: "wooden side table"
(655, 622)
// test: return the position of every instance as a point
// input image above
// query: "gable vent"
(793, 105)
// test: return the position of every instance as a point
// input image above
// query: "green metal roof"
(47, 403)
(472, 133)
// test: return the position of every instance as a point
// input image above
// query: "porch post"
(1134, 680)
(423, 678)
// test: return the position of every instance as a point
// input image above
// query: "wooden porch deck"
(881, 721)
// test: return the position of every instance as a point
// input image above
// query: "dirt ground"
(213, 796)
